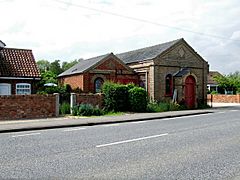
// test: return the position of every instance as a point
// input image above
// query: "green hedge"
(115, 96)
(119, 97)
(137, 99)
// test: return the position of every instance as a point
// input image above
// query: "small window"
(23, 88)
(98, 85)
(168, 83)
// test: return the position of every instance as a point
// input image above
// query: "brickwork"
(93, 99)
(221, 98)
(76, 81)
(27, 106)
(110, 70)
(13, 83)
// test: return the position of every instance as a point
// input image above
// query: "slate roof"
(18, 63)
(145, 53)
(182, 72)
(127, 57)
(83, 65)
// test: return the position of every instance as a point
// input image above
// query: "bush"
(115, 96)
(65, 108)
(86, 110)
(214, 92)
(137, 99)
(163, 106)
(153, 107)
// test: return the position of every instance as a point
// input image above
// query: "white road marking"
(138, 122)
(73, 129)
(31, 134)
(221, 112)
(131, 140)
(234, 110)
(109, 125)
(180, 117)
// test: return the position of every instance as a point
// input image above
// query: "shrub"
(115, 96)
(137, 99)
(214, 92)
(153, 107)
(86, 110)
(75, 110)
(162, 107)
(65, 108)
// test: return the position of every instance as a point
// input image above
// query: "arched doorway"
(98, 85)
(190, 85)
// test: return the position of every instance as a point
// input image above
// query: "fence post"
(57, 104)
(211, 100)
(72, 101)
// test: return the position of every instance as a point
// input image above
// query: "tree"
(43, 65)
(67, 65)
(48, 77)
(230, 82)
(55, 67)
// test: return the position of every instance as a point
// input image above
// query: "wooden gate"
(190, 85)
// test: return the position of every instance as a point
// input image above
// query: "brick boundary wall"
(221, 98)
(28, 106)
(93, 99)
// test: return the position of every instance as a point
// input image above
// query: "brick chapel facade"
(171, 71)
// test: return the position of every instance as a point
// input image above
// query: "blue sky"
(73, 29)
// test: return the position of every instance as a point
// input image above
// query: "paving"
(49, 123)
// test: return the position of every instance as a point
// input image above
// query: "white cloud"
(72, 30)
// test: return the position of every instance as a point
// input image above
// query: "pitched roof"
(18, 63)
(83, 65)
(211, 76)
(146, 53)
(127, 57)
(181, 72)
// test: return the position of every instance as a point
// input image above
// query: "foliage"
(67, 65)
(203, 106)
(115, 96)
(65, 108)
(48, 77)
(137, 99)
(43, 65)
(55, 66)
(163, 106)
(87, 110)
(230, 82)
(53, 89)
(214, 92)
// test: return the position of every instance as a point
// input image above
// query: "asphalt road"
(194, 147)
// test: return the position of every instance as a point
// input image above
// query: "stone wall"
(28, 106)
(221, 98)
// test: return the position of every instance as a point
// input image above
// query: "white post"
(57, 104)
(72, 101)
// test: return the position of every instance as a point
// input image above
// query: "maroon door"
(190, 91)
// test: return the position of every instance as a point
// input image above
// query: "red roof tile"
(18, 63)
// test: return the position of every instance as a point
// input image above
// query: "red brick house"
(89, 74)
(18, 71)
(168, 71)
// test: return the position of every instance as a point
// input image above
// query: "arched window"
(98, 85)
(168, 85)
